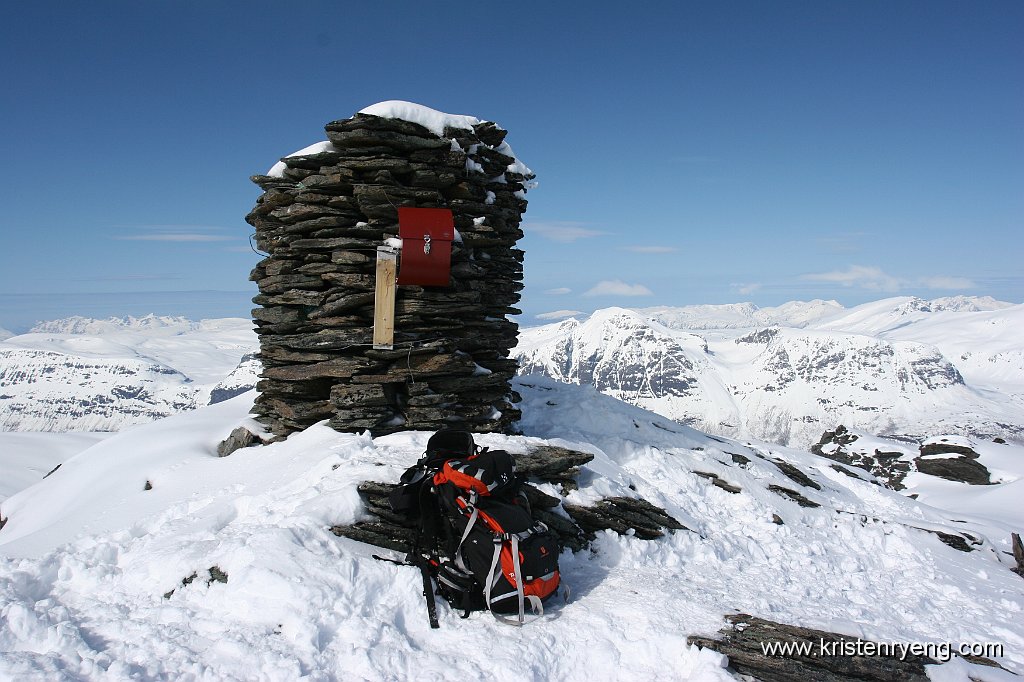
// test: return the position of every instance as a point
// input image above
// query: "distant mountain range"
(80, 374)
(904, 367)
(901, 367)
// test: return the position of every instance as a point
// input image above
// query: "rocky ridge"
(950, 457)
(320, 219)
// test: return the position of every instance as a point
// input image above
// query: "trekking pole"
(428, 593)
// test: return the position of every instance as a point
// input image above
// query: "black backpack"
(444, 445)
(475, 534)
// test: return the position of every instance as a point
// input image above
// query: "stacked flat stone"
(320, 220)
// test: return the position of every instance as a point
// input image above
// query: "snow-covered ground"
(93, 559)
(25, 458)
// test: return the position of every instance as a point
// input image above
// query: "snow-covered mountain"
(241, 379)
(80, 374)
(900, 367)
(981, 337)
(743, 315)
(148, 557)
(87, 325)
(5, 334)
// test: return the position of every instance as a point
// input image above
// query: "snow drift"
(146, 556)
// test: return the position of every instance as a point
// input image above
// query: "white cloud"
(564, 232)
(651, 249)
(179, 233)
(874, 279)
(747, 288)
(558, 314)
(560, 291)
(860, 276)
(616, 287)
(130, 278)
(176, 237)
(947, 283)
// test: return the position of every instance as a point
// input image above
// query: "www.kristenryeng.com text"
(938, 651)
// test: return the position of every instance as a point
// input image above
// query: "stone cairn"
(320, 219)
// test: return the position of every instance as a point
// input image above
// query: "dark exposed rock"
(718, 482)
(809, 655)
(215, 573)
(490, 133)
(844, 470)
(940, 448)
(551, 463)
(961, 469)
(793, 495)
(624, 515)
(952, 462)
(386, 535)
(957, 542)
(240, 438)
(795, 474)
(739, 459)
(890, 467)
(841, 436)
(762, 336)
(321, 224)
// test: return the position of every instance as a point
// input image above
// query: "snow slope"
(91, 579)
(971, 502)
(25, 458)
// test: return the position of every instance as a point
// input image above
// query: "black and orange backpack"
(475, 535)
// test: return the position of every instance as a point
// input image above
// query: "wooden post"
(384, 298)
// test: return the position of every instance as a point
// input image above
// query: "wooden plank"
(384, 298)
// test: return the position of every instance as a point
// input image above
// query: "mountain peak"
(88, 325)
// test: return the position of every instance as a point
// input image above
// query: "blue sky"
(687, 152)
